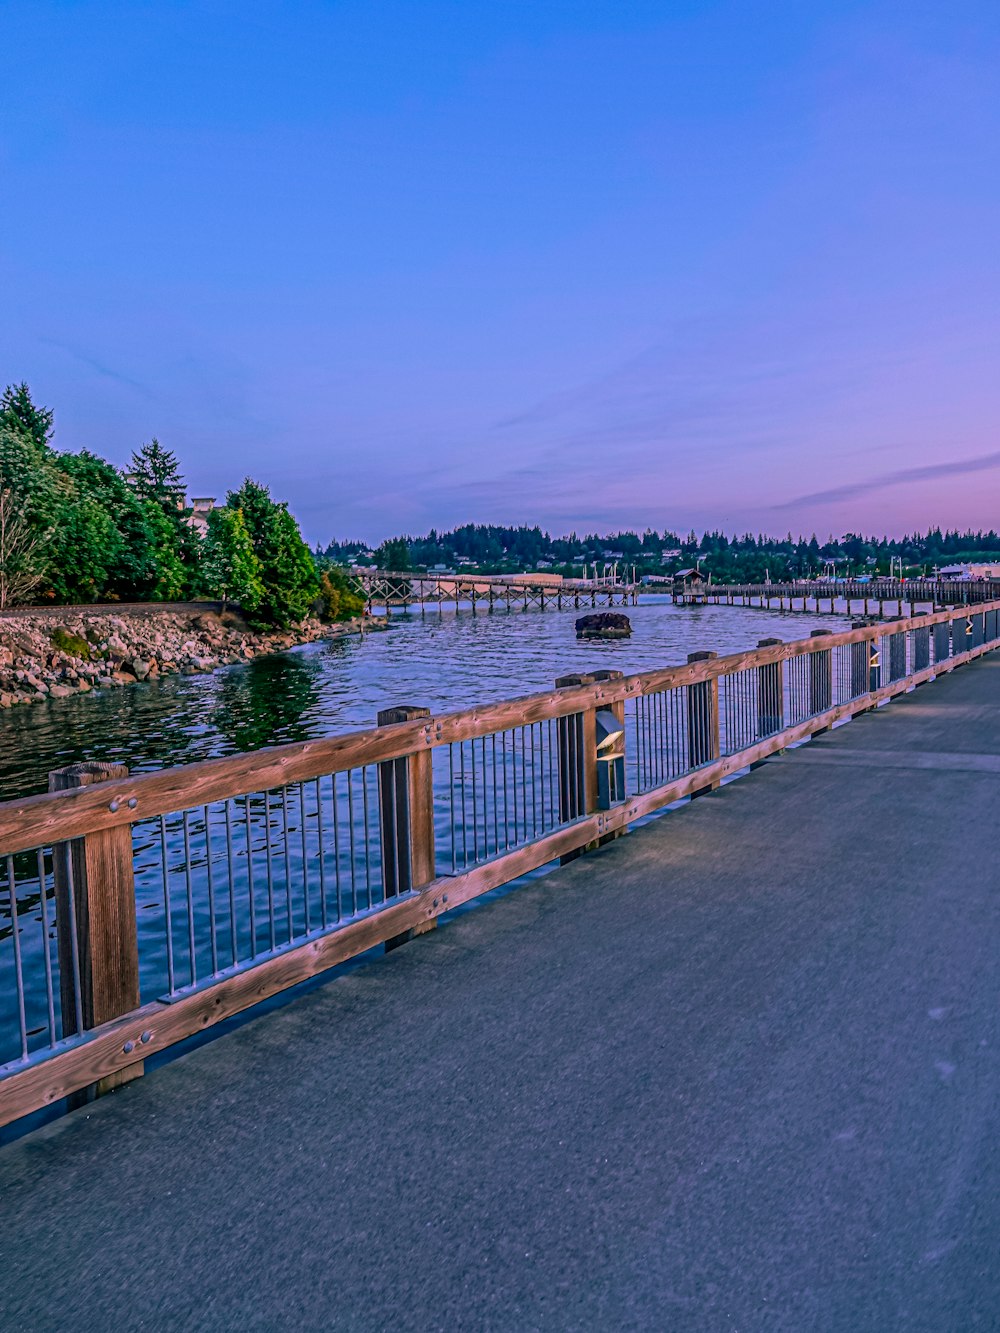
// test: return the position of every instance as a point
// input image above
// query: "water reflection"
(266, 702)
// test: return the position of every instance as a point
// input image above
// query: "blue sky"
(585, 264)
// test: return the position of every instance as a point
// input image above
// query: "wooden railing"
(148, 908)
(388, 588)
(930, 592)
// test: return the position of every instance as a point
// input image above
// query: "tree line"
(728, 558)
(74, 528)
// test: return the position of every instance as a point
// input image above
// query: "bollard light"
(609, 729)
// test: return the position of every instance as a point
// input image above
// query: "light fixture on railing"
(609, 729)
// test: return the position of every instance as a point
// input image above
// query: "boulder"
(603, 625)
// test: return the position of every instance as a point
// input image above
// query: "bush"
(337, 600)
(70, 644)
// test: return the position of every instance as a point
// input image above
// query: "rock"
(105, 682)
(60, 691)
(140, 669)
(604, 625)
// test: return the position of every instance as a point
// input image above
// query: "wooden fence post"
(95, 902)
(577, 741)
(406, 819)
(704, 742)
(770, 697)
(820, 679)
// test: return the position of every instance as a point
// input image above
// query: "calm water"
(229, 882)
(442, 662)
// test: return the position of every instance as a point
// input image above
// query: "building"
(201, 506)
(969, 573)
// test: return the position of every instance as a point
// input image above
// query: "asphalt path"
(739, 1070)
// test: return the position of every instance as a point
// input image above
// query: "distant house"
(201, 506)
(691, 578)
(667, 556)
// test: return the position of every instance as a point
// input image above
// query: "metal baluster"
(250, 885)
(211, 894)
(272, 934)
(166, 907)
(185, 822)
(18, 973)
(43, 903)
(287, 858)
(322, 856)
(232, 885)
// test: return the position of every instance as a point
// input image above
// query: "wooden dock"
(258, 871)
(847, 597)
(736, 1070)
(385, 589)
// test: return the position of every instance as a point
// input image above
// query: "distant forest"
(494, 549)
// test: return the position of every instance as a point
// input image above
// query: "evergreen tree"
(230, 567)
(287, 571)
(155, 475)
(19, 413)
(394, 555)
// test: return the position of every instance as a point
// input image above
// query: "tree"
(23, 554)
(155, 475)
(168, 574)
(20, 414)
(394, 555)
(230, 567)
(287, 572)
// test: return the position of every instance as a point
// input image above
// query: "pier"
(846, 597)
(381, 588)
(736, 1067)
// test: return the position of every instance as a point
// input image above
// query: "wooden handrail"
(38, 821)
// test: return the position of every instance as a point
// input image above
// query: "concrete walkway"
(740, 1070)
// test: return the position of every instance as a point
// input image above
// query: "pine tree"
(155, 475)
(19, 413)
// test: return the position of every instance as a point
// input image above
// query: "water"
(228, 883)
(442, 662)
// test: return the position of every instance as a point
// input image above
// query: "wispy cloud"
(902, 477)
(99, 366)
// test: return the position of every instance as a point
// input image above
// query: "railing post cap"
(607, 673)
(401, 713)
(769, 643)
(701, 657)
(819, 633)
(574, 678)
(85, 774)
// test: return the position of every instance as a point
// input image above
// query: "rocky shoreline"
(42, 657)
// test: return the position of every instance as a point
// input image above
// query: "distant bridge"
(385, 588)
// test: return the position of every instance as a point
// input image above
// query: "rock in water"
(604, 625)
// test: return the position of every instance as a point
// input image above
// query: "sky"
(587, 263)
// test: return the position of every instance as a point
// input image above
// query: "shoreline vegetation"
(44, 658)
(76, 530)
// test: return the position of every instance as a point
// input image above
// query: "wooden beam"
(96, 938)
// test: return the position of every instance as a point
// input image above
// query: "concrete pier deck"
(739, 1070)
